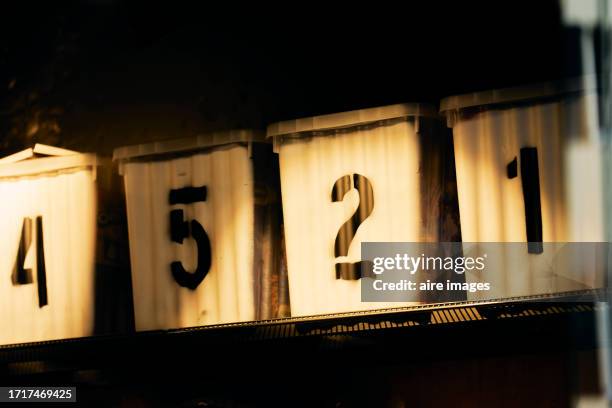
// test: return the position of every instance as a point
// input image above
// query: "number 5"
(180, 229)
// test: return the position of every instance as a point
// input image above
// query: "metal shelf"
(323, 332)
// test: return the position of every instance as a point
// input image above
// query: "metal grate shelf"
(417, 324)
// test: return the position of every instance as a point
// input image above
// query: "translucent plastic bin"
(196, 230)
(48, 218)
(366, 175)
(529, 170)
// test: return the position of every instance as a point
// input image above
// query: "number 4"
(21, 274)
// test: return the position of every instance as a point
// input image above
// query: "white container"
(322, 159)
(47, 254)
(219, 287)
(509, 141)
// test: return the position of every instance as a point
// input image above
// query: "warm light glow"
(226, 294)
(492, 205)
(388, 156)
(65, 199)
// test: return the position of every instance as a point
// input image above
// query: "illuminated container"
(528, 170)
(191, 207)
(48, 218)
(347, 178)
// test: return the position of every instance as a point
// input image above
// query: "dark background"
(97, 74)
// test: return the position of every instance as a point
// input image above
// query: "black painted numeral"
(347, 270)
(23, 276)
(530, 181)
(181, 229)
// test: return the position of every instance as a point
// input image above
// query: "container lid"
(44, 159)
(350, 119)
(188, 144)
(517, 94)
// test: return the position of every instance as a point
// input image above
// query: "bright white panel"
(227, 292)
(492, 205)
(388, 156)
(66, 201)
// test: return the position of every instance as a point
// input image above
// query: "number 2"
(347, 270)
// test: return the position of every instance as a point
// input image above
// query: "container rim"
(185, 144)
(44, 165)
(350, 118)
(517, 94)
